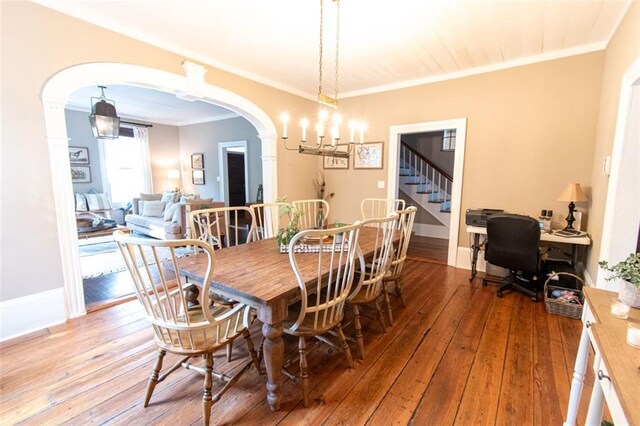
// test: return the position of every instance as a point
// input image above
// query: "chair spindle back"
(313, 211)
(268, 219)
(161, 291)
(332, 275)
(223, 226)
(404, 224)
(380, 207)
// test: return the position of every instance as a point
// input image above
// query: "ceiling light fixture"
(333, 148)
(104, 120)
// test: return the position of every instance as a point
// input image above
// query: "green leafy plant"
(628, 269)
(285, 234)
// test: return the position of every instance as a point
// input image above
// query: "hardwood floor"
(429, 249)
(456, 354)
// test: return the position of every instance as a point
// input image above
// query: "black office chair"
(513, 243)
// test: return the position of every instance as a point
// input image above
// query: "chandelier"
(326, 146)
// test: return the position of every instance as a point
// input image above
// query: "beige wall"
(36, 43)
(530, 131)
(204, 138)
(164, 151)
(622, 51)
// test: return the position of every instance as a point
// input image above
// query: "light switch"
(606, 166)
(380, 184)
(217, 178)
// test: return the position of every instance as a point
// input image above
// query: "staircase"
(427, 184)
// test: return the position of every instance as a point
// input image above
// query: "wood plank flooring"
(430, 249)
(456, 354)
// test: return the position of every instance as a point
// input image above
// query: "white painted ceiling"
(150, 106)
(383, 44)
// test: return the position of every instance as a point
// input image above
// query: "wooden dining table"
(259, 275)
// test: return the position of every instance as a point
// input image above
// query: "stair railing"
(423, 170)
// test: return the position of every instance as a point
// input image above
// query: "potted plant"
(285, 234)
(628, 271)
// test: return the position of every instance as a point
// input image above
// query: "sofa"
(164, 224)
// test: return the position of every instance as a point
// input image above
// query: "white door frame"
(192, 86)
(460, 124)
(222, 167)
(631, 76)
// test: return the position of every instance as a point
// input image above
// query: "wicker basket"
(559, 307)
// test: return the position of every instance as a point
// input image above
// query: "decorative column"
(58, 143)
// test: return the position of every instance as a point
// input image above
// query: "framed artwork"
(368, 155)
(337, 162)
(78, 155)
(197, 161)
(80, 174)
(197, 177)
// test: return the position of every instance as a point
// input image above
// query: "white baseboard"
(433, 231)
(587, 278)
(31, 313)
(463, 260)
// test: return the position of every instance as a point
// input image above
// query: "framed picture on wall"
(197, 177)
(80, 174)
(336, 163)
(368, 155)
(78, 155)
(197, 161)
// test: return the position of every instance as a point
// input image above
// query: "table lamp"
(572, 193)
(174, 175)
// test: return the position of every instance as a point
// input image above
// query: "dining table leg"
(273, 350)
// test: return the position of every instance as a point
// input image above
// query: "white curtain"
(126, 166)
(141, 136)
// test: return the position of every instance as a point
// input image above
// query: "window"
(449, 140)
(125, 168)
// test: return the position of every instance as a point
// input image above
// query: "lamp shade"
(573, 192)
(173, 174)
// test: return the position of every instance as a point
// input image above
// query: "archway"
(192, 86)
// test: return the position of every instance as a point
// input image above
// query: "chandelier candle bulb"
(285, 120)
(619, 309)
(362, 127)
(352, 131)
(304, 123)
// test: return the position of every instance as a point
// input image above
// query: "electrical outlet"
(380, 184)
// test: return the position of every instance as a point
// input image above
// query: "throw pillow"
(150, 197)
(98, 202)
(170, 210)
(176, 213)
(153, 208)
(81, 202)
(168, 197)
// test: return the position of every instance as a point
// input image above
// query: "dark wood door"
(235, 176)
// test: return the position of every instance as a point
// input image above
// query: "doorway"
(234, 172)
(621, 225)
(55, 95)
(405, 167)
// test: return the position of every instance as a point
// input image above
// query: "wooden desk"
(260, 276)
(616, 364)
(477, 231)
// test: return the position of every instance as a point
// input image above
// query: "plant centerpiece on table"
(320, 187)
(285, 234)
(628, 271)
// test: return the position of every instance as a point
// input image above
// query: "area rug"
(107, 259)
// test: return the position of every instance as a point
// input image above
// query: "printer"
(478, 217)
